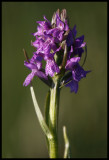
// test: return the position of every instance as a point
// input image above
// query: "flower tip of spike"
(57, 11)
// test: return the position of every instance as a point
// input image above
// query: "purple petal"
(39, 31)
(81, 38)
(78, 72)
(60, 35)
(41, 75)
(79, 42)
(70, 39)
(74, 31)
(29, 79)
(41, 23)
(83, 44)
(72, 62)
(66, 25)
(56, 32)
(39, 65)
(49, 24)
(73, 86)
(59, 23)
(48, 56)
(58, 49)
(51, 31)
(70, 52)
(37, 57)
(71, 36)
(38, 42)
(78, 51)
(30, 65)
(51, 68)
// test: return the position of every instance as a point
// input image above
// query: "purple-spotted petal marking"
(51, 68)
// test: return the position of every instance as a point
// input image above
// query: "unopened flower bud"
(53, 21)
(63, 15)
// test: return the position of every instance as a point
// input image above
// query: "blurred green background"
(84, 113)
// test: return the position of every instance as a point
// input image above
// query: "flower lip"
(51, 67)
(73, 86)
(78, 72)
(72, 62)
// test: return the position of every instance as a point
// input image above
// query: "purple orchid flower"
(51, 66)
(77, 73)
(59, 30)
(43, 26)
(35, 66)
(49, 45)
(76, 43)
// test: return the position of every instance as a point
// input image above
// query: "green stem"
(47, 105)
(53, 118)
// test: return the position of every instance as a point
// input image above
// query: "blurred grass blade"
(40, 116)
(67, 153)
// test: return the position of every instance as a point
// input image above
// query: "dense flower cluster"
(48, 47)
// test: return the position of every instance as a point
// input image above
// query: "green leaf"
(40, 116)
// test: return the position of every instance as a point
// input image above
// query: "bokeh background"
(84, 114)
